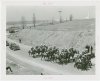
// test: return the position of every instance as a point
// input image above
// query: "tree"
(23, 22)
(34, 20)
(60, 16)
(71, 17)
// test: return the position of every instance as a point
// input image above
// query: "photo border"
(6, 3)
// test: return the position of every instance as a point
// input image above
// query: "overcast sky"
(14, 13)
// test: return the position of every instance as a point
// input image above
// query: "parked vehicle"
(14, 47)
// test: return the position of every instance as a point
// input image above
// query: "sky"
(14, 13)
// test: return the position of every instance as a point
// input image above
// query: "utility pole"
(23, 22)
(52, 20)
(60, 16)
(34, 20)
(89, 13)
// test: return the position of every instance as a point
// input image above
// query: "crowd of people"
(62, 56)
(53, 54)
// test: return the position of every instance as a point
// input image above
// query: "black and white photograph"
(50, 40)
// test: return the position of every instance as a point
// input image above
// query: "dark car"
(11, 31)
(14, 47)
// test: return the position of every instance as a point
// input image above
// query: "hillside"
(77, 33)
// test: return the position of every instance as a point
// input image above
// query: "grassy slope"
(77, 33)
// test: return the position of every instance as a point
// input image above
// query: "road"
(39, 66)
(28, 62)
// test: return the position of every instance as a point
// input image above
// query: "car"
(14, 47)
(11, 31)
